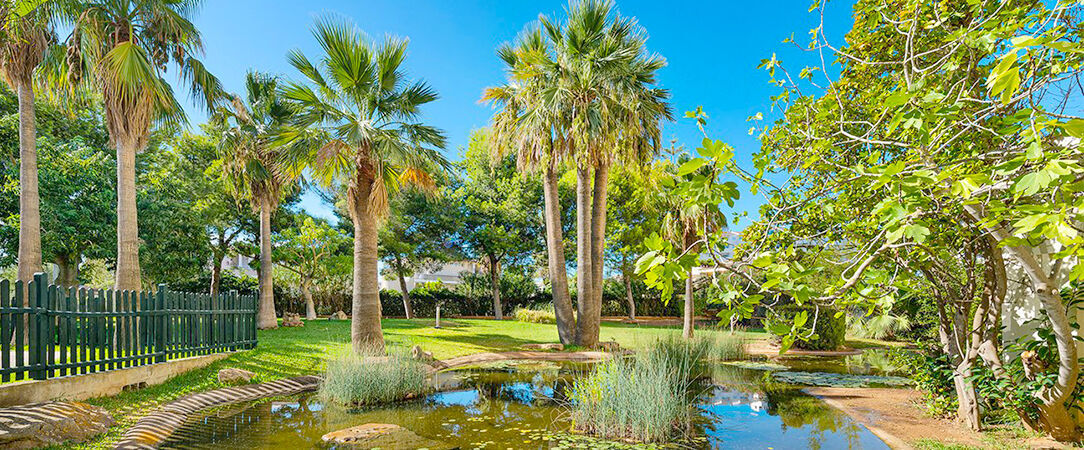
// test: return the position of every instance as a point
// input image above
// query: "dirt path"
(764, 347)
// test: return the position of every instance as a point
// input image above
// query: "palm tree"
(25, 37)
(357, 126)
(122, 48)
(527, 126)
(586, 87)
(252, 165)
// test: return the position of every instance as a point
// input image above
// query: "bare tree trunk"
(267, 318)
(216, 272)
(128, 273)
(310, 305)
(68, 266)
(495, 286)
(29, 202)
(586, 335)
(598, 245)
(628, 292)
(365, 332)
(555, 252)
(407, 308)
(687, 323)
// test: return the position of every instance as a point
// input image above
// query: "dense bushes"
(829, 331)
(542, 314)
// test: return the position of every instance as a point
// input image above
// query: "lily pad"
(757, 365)
(840, 380)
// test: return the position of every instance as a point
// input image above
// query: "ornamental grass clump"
(369, 380)
(541, 314)
(726, 346)
(647, 398)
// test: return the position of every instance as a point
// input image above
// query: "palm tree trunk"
(310, 305)
(598, 245)
(495, 286)
(627, 275)
(407, 308)
(687, 324)
(29, 202)
(555, 251)
(586, 334)
(267, 318)
(365, 331)
(128, 272)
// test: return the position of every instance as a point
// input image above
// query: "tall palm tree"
(590, 92)
(122, 48)
(252, 164)
(357, 125)
(25, 36)
(528, 126)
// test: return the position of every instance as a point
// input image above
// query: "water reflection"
(522, 408)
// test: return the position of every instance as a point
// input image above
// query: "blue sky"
(712, 49)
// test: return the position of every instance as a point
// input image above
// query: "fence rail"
(72, 331)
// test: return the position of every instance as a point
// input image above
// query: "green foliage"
(368, 380)
(932, 374)
(543, 314)
(645, 398)
(816, 328)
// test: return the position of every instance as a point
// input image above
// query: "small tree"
(305, 251)
(415, 236)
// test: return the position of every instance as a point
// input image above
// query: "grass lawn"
(287, 352)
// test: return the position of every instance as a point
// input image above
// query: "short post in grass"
(438, 315)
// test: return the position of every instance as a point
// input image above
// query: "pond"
(523, 407)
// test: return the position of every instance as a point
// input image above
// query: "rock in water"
(339, 315)
(292, 320)
(380, 435)
(232, 376)
(51, 423)
(421, 355)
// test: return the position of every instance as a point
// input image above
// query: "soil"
(895, 417)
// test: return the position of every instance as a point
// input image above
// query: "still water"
(523, 407)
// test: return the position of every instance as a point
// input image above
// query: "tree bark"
(267, 317)
(216, 272)
(407, 309)
(310, 305)
(555, 252)
(628, 292)
(586, 335)
(495, 286)
(68, 266)
(687, 323)
(29, 201)
(365, 332)
(128, 276)
(598, 246)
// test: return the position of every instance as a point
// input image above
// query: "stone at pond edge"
(339, 315)
(608, 346)
(231, 376)
(418, 354)
(51, 423)
(557, 347)
(292, 320)
(380, 435)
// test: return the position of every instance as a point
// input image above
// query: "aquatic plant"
(840, 379)
(367, 380)
(757, 365)
(645, 398)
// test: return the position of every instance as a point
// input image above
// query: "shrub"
(541, 314)
(829, 331)
(645, 398)
(367, 380)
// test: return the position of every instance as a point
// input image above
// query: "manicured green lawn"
(287, 352)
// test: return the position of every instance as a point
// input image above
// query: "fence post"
(162, 321)
(37, 345)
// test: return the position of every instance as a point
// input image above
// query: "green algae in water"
(840, 379)
(757, 365)
(523, 409)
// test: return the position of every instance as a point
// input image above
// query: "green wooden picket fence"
(74, 331)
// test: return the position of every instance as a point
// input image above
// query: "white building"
(240, 265)
(449, 274)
